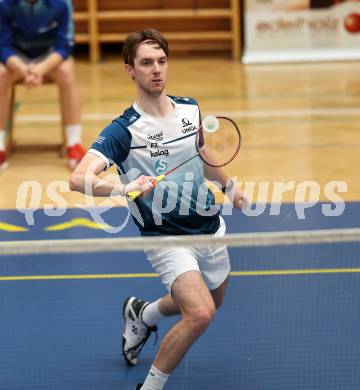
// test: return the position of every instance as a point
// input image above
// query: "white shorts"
(212, 262)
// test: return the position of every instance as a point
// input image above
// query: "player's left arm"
(228, 186)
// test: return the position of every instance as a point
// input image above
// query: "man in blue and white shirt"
(155, 134)
(36, 43)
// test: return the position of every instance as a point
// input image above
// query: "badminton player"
(155, 133)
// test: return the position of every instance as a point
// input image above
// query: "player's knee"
(200, 318)
(65, 74)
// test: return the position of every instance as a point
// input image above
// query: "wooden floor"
(300, 122)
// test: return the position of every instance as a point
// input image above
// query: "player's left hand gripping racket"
(217, 142)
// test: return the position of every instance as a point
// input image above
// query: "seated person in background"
(36, 42)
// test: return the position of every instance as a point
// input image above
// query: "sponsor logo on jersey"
(100, 139)
(185, 122)
(158, 153)
(159, 136)
(187, 125)
(160, 166)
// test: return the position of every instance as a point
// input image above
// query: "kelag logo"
(160, 166)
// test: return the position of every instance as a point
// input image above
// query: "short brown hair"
(134, 39)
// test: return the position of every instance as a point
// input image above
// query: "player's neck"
(155, 105)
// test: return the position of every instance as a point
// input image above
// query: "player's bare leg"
(197, 307)
(141, 319)
(169, 307)
(64, 76)
(7, 79)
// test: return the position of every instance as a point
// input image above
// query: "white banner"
(301, 30)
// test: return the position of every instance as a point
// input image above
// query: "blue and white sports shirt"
(139, 143)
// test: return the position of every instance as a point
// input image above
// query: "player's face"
(150, 69)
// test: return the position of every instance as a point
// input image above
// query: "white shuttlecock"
(210, 123)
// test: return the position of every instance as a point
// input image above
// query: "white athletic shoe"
(136, 333)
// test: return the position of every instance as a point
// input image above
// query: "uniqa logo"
(187, 126)
(160, 166)
(185, 122)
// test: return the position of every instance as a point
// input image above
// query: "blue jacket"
(35, 29)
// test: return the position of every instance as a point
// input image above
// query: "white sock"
(152, 314)
(2, 139)
(73, 134)
(155, 380)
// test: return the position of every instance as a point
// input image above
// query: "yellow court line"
(12, 228)
(77, 222)
(154, 275)
(64, 277)
(296, 272)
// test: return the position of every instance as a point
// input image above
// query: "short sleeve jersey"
(139, 143)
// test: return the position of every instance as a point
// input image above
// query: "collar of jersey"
(138, 109)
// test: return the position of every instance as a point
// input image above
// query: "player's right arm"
(111, 147)
(86, 179)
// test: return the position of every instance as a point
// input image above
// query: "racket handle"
(135, 194)
(160, 178)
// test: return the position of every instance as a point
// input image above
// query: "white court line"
(331, 112)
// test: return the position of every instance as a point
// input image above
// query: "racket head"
(218, 148)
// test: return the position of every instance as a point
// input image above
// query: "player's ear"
(130, 70)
